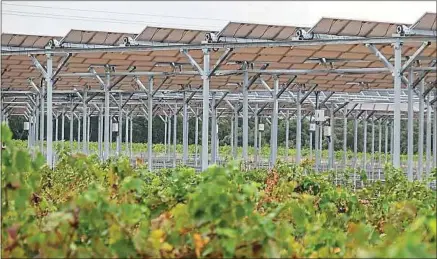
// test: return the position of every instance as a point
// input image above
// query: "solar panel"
(171, 35)
(357, 28)
(95, 37)
(428, 21)
(258, 31)
(26, 41)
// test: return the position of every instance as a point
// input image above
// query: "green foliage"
(88, 209)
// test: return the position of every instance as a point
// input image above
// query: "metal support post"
(196, 137)
(41, 121)
(397, 105)
(169, 134)
(217, 140)
(274, 128)
(175, 124)
(107, 122)
(255, 134)
(259, 144)
(287, 133)
(131, 125)
(126, 139)
(379, 149)
(78, 133)
(150, 124)
(165, 134)
(49, 82)
(232, 137)
(365, 143)
(317, 137)
(88, 133)
(410, 126)
(332, 139)
(185, 131)
(435, 131)
(235, 151)
(373, 149)
(428, 136)
(63, 127)
(386, 140)
(99, 133)
(120, 125)
(311, 145)
(213, 130)
(84, 125)
(56, 128)
(298, 128)
(355, 142)
(71, 128)
(111, 134)
(246, 114)
(205, 112)
(345, 138)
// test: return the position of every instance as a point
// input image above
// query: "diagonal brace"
(415, 55)
(39, 66)
(220, 61)
(307, 94)
(192, 61)
(61, 65)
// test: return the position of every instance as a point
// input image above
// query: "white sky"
(57, 18)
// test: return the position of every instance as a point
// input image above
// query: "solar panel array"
(17, 69)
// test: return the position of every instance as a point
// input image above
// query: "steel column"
(56, 128)
(365, 143)
(428, 136)
(379, 148)
(396, 152)
(150, 124)
(106, 125)
(255, 135)
(332, 139)
(317, 136)
(71, 127)
(386, 140)
(421, 129)
(235, 151)
(120, 125)
(274, 127)
(126, 139)
(355, 142)
(435, 131)
(232, 138)
(213, 130)
(185, 131)
(49, 82)
(345, 138)
(169, 134)
(410, 127)
(88, 133)
(175, 124)
(298, 128)
(287, 133)
(373, 148)
(246, 115)
(41, 121)
(99, 133)
(78, 133)
(205, 112)
(63, 127)
(131, 124)
(84, 125)
(165, 134)
(196, 137)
